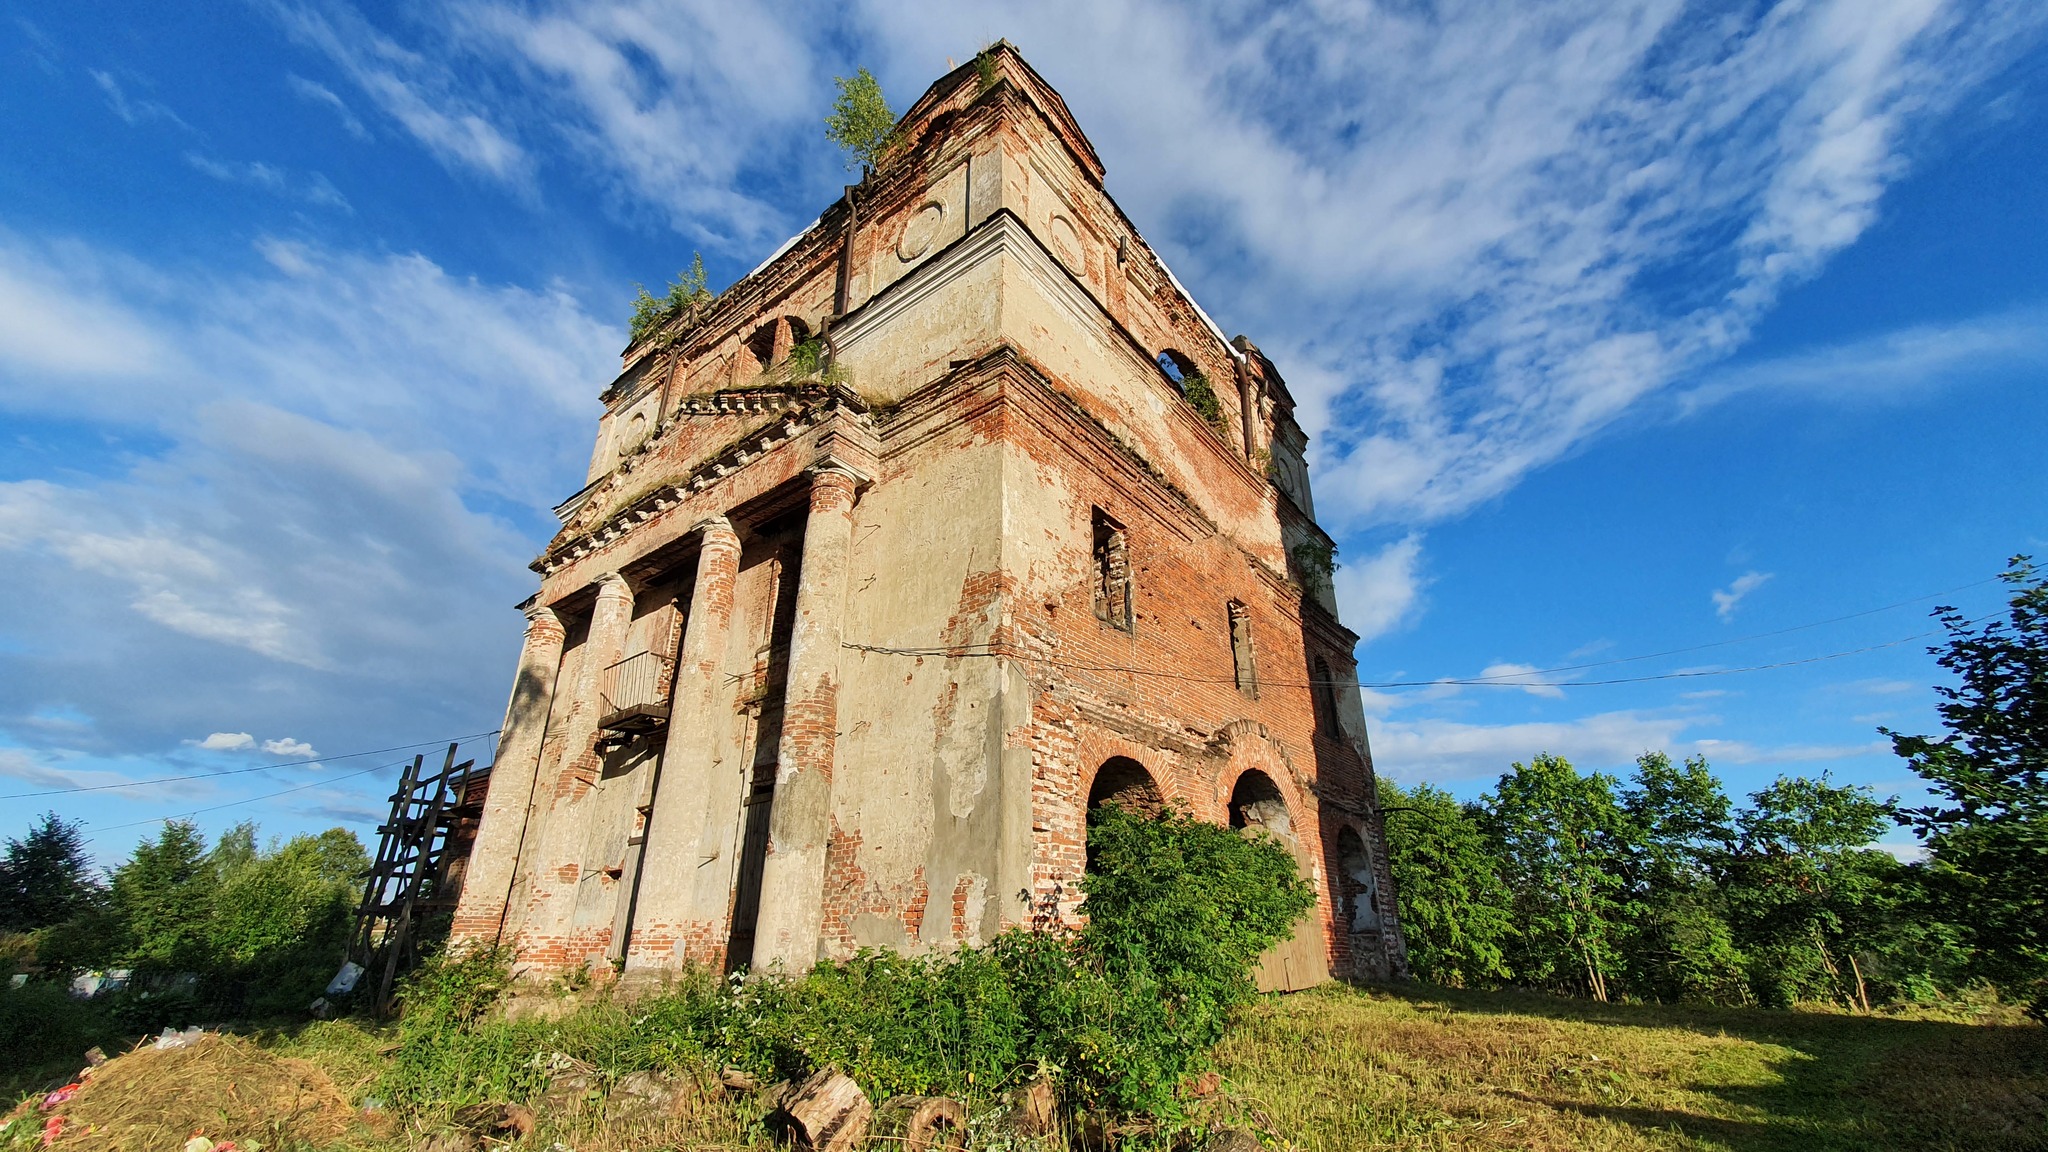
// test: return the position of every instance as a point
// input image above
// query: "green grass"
(1427, 1068)
(1340, 1069)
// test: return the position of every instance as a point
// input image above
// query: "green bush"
(1119, 1011)
(44, 1034)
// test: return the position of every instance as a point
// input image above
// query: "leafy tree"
(861, 122)
(45, 878)
(1679, 946)
(1804, 888)
(161, 898)
(1988, 832)
(1454, 908)
(1563, 842)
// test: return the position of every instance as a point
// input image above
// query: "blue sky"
(1620, 328)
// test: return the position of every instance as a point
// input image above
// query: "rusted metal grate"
(634, 691)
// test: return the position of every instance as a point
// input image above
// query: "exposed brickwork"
(1036, 548)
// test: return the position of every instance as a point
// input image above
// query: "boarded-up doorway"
(1257, 808)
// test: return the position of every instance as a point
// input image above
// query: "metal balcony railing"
(632, 695)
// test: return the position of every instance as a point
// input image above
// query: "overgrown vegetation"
(1118, 1012)
(861, 122)
(1195, 388)
(689, 293)
(208, 932)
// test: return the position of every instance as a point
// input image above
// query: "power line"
(245, 800)
(243, 771)
(992, 650)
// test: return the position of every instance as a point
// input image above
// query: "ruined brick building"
(953, 520)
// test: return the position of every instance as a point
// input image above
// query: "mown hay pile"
(222, 1087)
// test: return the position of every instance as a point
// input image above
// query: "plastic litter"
(52, 1128)
(199, 1143)
(60, 1096)
(344, 981)
(173, 1038)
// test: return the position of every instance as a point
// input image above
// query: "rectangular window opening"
(1241, 650)
(1112, 573)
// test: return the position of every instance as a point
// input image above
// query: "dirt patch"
(222, 1087)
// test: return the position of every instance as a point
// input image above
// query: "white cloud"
(313, 189)
(1433, 748)
(411, 88)
(1890, 365)
(1726, 600)
(1380, 594)
(228, 742)
(129, 109)
(321, 94)
(1437, 749)
(1516, 674)
(288, 747)
(309, 523)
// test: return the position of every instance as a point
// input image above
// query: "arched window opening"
(1123, 782)
(1256, 805)
(1361, 887)
(1176, 366)
(761, 346)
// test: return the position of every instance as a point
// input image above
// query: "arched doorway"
(1360, 914)
(1257, 807)
(1123, 782)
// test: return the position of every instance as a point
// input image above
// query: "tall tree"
(1679, 947)
(163, 897)
(1805, 889)
(1454, 908)
(1989, 830)
(45, 878)
(1563, 842)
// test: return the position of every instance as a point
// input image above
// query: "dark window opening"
(1112, 577)
(1359, 884)
(1325, 689)
(1241, 650)
(1256, 805)
(1123, 782)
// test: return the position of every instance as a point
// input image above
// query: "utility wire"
(242, 771)
(247, 800)
(988, 650)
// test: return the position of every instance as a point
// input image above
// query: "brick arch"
(1125, 780)
(1093, 748)
(1245, 745)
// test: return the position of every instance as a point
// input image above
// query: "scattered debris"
(921, 1124)
(497, 1121)
(173, 1038)
(641, 1096)
(739, 1080)
(1232, 1140)
(1033, 1109)
(572, 1083)
(1203, 1086)
(830, 1112)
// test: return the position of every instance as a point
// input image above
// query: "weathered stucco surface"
(824, 660)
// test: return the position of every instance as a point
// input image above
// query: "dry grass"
(223, 1086)
(1339, 1069)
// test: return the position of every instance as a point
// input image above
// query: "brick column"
(494, 858)
(553, 865)
(663, 915)
(793, 881)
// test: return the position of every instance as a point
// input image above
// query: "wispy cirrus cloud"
(1727, 600)
(414, 89)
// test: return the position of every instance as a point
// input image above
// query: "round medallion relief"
(1065, 242)
(921, 230)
